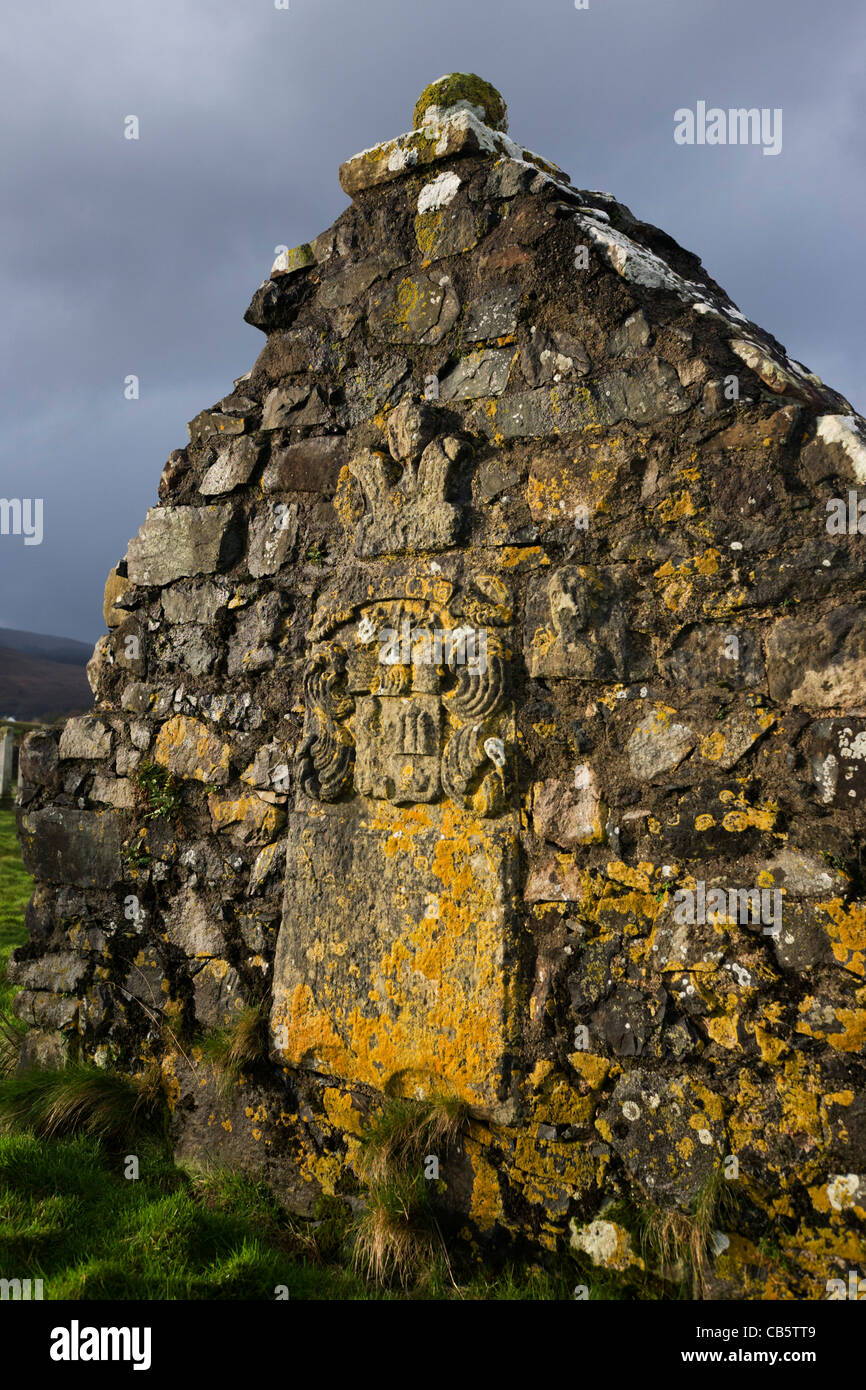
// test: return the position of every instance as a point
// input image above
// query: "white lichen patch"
(842, 1190)
(637, 264)
(401, 157)
(847, 431)
(439, 192)
(435, 115)
(495, 750)
(606, 1244)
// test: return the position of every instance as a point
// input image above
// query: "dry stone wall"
(484, 699)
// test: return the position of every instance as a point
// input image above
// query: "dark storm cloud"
(140, 256)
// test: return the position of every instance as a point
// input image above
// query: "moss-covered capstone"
(462, 89)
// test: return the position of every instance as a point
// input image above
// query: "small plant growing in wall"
(137, 857)
(157, 793)
(233, 1049)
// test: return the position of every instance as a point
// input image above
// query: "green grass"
(16, 887)
(68, 1216)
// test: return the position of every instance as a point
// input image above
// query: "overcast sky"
(123, 256)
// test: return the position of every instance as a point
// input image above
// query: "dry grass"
(394, 1240)
(12, 1032)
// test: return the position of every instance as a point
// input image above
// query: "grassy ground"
(15, 889)
(69, 1216)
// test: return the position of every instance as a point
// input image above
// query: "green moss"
(466, 87)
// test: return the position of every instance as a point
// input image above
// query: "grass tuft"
(679, 1241)
(233, 1049)
(397, 1238)
(80, 1099)
(405, 1131)
(12, 1032)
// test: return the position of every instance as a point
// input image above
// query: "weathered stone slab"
(232, 469)
(459, 133)
(492, 315)
(651, 1117)
(714, 655)
(61, 972)
(7, 753)
(43, 1009)
(837, 755)
(202, 604)
(190, 924)
(371, 385)
(394, 964)
(352, 280)
(114, 791)
(734, 736)
(292, 260)
(176, 542)
(658, 744)
(219, 997)
(447, 232)
(643, 395)
(548, 357)
(569, 814)
(115, 587)
(273, 532)
(478, 374)
(533, 414)
(38, 760)
(211, 423)
(66, 845)
(416, 309)
(250, 819)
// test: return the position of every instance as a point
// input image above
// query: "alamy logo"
(846, 517)
(18, 1289)
(22, 516)
(76, 1343)
(855, 1289)
(408, 646)
(737, 126)
(742, 905)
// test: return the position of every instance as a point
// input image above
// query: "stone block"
(65, 845)
(176, 542)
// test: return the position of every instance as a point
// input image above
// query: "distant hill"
(42, 677)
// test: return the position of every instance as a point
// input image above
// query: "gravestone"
(7, 761)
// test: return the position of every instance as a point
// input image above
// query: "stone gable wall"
(488, 404)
